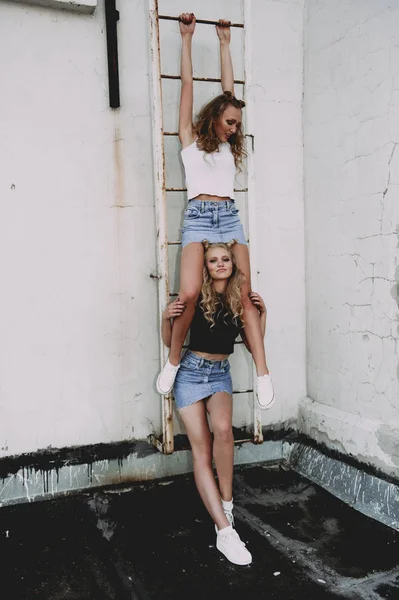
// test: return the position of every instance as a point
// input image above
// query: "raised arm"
(227, 76)
(186, 134)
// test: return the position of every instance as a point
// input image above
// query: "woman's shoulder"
(192, 146)
(223, 148)
(227, 151)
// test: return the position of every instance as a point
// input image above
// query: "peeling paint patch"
(395, 287)
(46, 479)
(377, 498)
(388, 439)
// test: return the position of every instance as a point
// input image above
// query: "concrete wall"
(277, 63)
(79, 349)
(351, 124)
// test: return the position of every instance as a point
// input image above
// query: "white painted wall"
(277, 62)
(79, 348)
(351, 123)
(80, 6)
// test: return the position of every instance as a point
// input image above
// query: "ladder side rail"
(251, 195)
(167, 444)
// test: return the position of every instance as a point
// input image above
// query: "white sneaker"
(166, 378)
(228, 543)
(265, 391)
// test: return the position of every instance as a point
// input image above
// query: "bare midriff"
(208, 198)
(208, 356)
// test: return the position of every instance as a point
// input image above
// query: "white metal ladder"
(166, 444)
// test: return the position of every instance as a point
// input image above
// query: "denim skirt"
(199, 378)
(212, 221)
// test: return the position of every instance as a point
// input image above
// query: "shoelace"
(230, 517)
(234, 534)
(238, 538)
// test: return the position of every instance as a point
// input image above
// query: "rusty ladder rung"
(206, 79)
(185, 190)
(201, 21)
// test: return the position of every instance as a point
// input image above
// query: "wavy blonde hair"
(231, 302)
(207, 140)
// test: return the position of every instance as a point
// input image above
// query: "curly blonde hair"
(211, 302)
(207, 140)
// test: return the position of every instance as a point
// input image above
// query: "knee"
(202, 456)
(201, 447)
(223, 432)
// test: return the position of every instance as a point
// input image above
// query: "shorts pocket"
(234, 210)
(226, 368)
(189, 363)
(191, 213)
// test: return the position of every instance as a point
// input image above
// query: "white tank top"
(209, 173)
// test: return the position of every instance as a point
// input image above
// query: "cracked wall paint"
(388, 437)
(395, 287)
(351, 160)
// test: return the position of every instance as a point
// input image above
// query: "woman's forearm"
(227, 75)
(186, 94)
(186, 65)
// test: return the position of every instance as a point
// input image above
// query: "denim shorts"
(199, 378)
(212, 221)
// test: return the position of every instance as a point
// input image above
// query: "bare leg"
(220, 408)
(192, 262)
(196, 424)
(250, 316)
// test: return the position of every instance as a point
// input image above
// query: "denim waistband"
(205, 362)
(205, 204)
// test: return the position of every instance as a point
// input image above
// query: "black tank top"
(218, 339)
